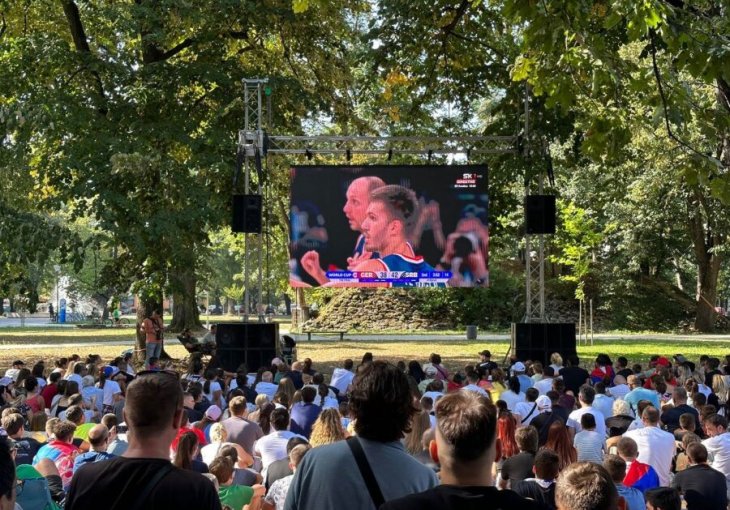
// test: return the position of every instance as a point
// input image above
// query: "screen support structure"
(254, 142)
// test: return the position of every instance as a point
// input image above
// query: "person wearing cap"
(545, 417)
(486, 364)
(212, 415)
(518, 370)
(12, 373)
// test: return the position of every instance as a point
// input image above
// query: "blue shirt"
(634, 396)
(633, 497)
(90, 457)
(303, 417)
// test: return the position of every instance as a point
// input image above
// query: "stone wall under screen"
(389, 226)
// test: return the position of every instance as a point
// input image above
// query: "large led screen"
(389, 226)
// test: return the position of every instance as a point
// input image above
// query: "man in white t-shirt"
(112, 390)
(527, 410)
(13, 372)
(473, 378)
(656, 447)
(586, 395)
(342, 377)
(273, 446)
(718, 444)
(266, 386)
(546, 383)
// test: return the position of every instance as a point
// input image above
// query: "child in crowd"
(588, 443)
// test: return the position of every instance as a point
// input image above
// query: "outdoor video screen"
(389, 226)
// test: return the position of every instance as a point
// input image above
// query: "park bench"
(327, 332)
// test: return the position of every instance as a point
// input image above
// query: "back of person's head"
(222, 468)
(466, 427)
(473, 377)
(308, 394)
(547, 464)
(110, 420)
(687, 422)
(588, 421)
(348, 364)
(12, 423)
(554, 396)
(381, 402)
(627, 448)
(600, 388)
(185, 450)
(616, 467)
(697, 453)
(689, 438)
(280, 419)
(586, 394)
(513, 383)
(294, 442)
(650, 415)
(531, 394)
(548, 371)
(297, 454)
(663, 498)
(641, 405)
(237, 406)
(573, 360)
(75, 414)
(218, 432)
(585, 486)
(64, 431)
(152, 401)
(228, 450)
(679, 394)
(98, 436)
(621, 408)
(527, 439)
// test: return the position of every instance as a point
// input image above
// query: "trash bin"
(471, 332)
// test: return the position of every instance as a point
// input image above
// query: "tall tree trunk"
(185, 310)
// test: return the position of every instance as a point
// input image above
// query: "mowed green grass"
(24, 344)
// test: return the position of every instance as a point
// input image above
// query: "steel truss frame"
(254, 142)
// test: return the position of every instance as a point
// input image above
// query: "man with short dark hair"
(616, 467)
(519, 467)
(541, 488)
(154, 414)
(638, 475)
(718, 443)
(465, 447)
(703, 488)
(586, 395)
(574, 375)
(486, 364)
(329, 477)
(546, 383)
(240, 430)
(670, 418)
(663, 498)
(587, 486)
(272, 447)
(305, 413)
(280, 468)
(342, 377)
(25, 447)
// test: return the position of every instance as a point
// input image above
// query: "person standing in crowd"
(154, 413)
(153, 329)
(703, 488)
(586, 486)
(574, 375)
(656, 447)
(465, 448)
(330, 477)
(616, 467)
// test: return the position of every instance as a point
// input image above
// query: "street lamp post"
(57, 269)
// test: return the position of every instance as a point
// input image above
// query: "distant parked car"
(215, 310)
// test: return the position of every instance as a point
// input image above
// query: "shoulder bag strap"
(530, 413)
(139, 502)
(366, 471)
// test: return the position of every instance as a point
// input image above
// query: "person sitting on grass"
(276, 496)
(234, 496)
(589, 444)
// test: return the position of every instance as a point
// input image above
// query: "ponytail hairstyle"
(209, 376)
(323, 391)
(102, 379)
(185, 449)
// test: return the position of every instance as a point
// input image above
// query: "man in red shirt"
(153, 329)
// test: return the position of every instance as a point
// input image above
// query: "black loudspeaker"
(536, 341)
(540, 214)
(254, 344)
(247, 214)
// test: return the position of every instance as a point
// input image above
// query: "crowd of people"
(84, 433)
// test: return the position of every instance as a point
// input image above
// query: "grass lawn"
(24, 344)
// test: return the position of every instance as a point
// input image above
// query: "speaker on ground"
(536, 341)
(254, 344)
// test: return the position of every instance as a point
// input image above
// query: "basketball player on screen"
(389, 218)
(355, 209)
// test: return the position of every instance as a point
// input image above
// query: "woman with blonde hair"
(261, 400)
(556, 361)
(327, 429)
(420, 423)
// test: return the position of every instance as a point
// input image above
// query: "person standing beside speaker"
(153, 329)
